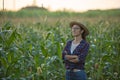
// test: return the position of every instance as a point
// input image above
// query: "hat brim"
(86, 32)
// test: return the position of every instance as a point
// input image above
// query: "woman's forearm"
(69, 57)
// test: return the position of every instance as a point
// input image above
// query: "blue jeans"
(79, 75)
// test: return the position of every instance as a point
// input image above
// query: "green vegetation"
(31, 43)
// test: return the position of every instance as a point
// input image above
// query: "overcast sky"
(76, 5)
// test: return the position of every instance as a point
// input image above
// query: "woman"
(75, 52)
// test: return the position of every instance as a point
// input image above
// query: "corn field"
(31, 44)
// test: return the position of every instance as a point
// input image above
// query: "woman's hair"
(83, 34)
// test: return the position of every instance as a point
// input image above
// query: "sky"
(53, 5)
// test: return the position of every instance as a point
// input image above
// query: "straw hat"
(86, 32)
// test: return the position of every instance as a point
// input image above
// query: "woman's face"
(76, 31)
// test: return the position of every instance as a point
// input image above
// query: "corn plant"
(32, 51)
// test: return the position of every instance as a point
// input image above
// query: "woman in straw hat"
(75, 52)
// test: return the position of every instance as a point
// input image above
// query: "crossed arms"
(72, 58)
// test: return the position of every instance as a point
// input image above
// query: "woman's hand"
(75, 60)
(69, 57)
(72, 58)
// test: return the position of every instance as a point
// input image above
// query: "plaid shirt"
(81, 51)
